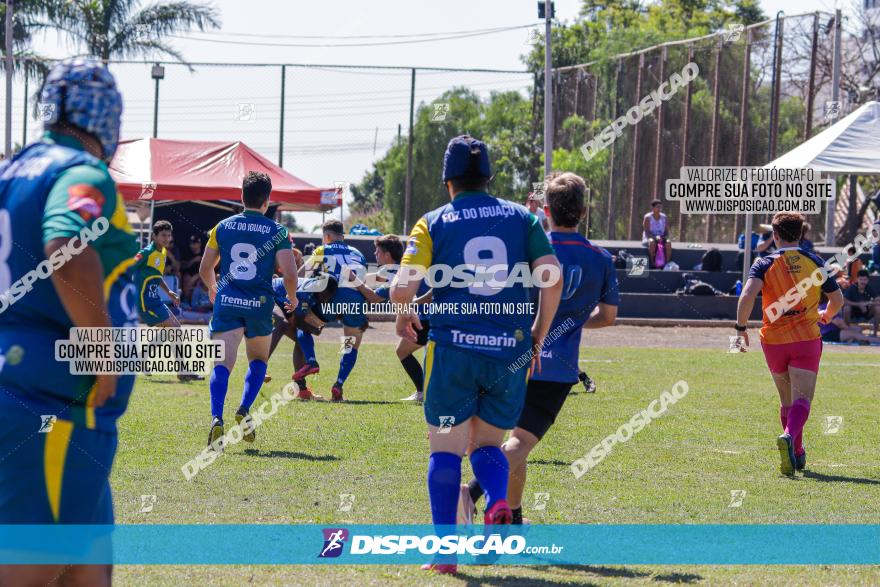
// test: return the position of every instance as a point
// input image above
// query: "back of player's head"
(565, 196)
(333, 227)
(392, 245)
(326, 286)
(788, 225)
(466, 164)
(82, 93)
(255, 189)
(161, 226)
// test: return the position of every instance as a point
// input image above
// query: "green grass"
(680, 469)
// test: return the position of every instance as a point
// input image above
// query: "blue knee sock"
(346, 364)
(217, 386)
(444, 481)
(491, 470)
(307, 344)
(253, 380)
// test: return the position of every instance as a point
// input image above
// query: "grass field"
(680, 469)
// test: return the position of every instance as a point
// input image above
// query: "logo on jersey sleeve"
(86, 200)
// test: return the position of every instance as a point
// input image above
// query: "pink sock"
(783, 416)
(797, 417)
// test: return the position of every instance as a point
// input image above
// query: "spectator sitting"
(535, 204)
(838, 330)
(655, 226)
(875, 252)
(860, 302)
(850, 272)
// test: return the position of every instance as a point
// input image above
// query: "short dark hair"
(863, 273)
(255, 189)
(392, 245)
(788, 225)
(656, 202)
(162, 225)
(470, 184)
(334, 226)
(565, 196)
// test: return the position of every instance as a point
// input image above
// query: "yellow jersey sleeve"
(212, 239)
(157, 259)
(420, 247)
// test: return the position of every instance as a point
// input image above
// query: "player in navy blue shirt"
(589, 300)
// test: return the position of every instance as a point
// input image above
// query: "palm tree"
(27, 17)
(122, 29)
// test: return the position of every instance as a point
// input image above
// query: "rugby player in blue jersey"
(473, 390)
(343, 263)
(301, 323)
(589, 300)
(60, 215)
(389, 253)
(247, 246)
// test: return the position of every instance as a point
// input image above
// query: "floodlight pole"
(9, 9)
(831, 205)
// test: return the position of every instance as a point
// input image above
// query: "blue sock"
(491, 470)
(218, 385)
(346, 364)
(444, 481)
(307, 344)
(253, 380)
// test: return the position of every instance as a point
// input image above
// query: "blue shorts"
(153, 312)
(461, 384)
(253, 326)
(53, 471)
(355, 301)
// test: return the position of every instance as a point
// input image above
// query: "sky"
(338, 121)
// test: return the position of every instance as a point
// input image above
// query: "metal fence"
(731, 114)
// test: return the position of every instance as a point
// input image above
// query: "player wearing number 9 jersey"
(65, 247)
(247, 247)
(474, 387)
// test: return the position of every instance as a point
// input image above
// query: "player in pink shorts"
(790, 336)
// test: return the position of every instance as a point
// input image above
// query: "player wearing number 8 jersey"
(474, 391)
(248, 247)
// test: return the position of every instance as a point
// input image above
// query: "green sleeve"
(283, 239)
(80, 195)
(536, 240)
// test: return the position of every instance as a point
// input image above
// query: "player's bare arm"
(287, 263)
(548, 302)
(80, 285)
(602, 315)
(745, 305)
(171, 294)
(210, 258)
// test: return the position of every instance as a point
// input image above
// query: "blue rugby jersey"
(305, 295)
(338, 255)
(55, 189)
(477, 229)
(247, 243)
(589, 278)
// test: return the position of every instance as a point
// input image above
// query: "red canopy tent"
(164, 170)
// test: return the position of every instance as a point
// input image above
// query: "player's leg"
(257, 350)
(219, 383)
(517, 449)
(171, 321)
(354, 334)
(491, 468)
(405, 352)
(309, 366)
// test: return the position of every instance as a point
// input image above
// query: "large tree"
(123, 29)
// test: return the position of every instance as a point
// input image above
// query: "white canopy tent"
(849, 146)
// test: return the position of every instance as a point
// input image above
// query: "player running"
(792, 342)
(472, 395)
(248, 246)
(301, 323)
(59, 210)
(340, 261)
(589, 300)
(389, 253)
(149, 271)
